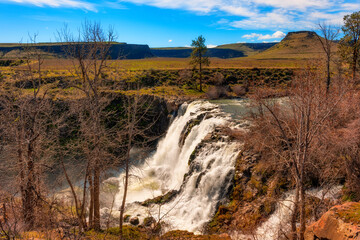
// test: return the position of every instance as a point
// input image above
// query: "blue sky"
(171, 23)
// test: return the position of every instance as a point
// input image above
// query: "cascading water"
(199, 170)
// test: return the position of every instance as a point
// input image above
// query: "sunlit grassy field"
(181, 63)
(177, 63)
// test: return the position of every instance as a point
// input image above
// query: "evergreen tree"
(350, 43)
(198, 56)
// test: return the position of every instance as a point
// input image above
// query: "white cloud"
(57, 3)
(211, 46)
(335, 19)
(278, 34)
(223, 21)
(271, 20)
(275, 35)
(204, 6)
(236, 7)
(253, 14)
(296, 4)
(262, 14)
(114, 5)
(238, 11)
(170, 41)
(350, 6)
(252, 35)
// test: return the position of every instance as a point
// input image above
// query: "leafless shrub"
(215, 92)
(185, 76)
(217, 79)
(238, 90)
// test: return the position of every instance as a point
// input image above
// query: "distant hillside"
(302, 44)
(117, 51)
(248, 49)
(296, 45)
(186, 52)
(234, 50)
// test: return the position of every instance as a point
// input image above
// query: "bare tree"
(89, 51)
(329, 33)
(26, 127)
(137, 132)
(294, 127)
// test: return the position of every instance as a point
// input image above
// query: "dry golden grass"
(61, 66)
(182, 63)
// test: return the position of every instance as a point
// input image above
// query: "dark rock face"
(134, 221)
(185, 53)
(309, 34)
(117, 50)
(161, 199)
(130, 51)
(341, 222)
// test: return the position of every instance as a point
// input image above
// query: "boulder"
(148, 221)
(134, 221)
(341, 222)
(127, 218)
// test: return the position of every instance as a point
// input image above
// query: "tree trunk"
(131, 120)
(200, 80)
(22, 174)
(91, 207)
(302, 210)
(302, 188)
(200, 74)
(355, 57)
(122, 208)
(29, 198)
(328, 75)
(294, 213)
(96, 198)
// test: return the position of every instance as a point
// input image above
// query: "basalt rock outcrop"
(341, 222)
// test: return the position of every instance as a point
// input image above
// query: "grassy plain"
(164, 70)
(181, 63)
(175, 64)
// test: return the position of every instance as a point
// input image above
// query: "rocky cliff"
(117, 50)
(341, 222)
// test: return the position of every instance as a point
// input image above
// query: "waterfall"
(199, 170)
